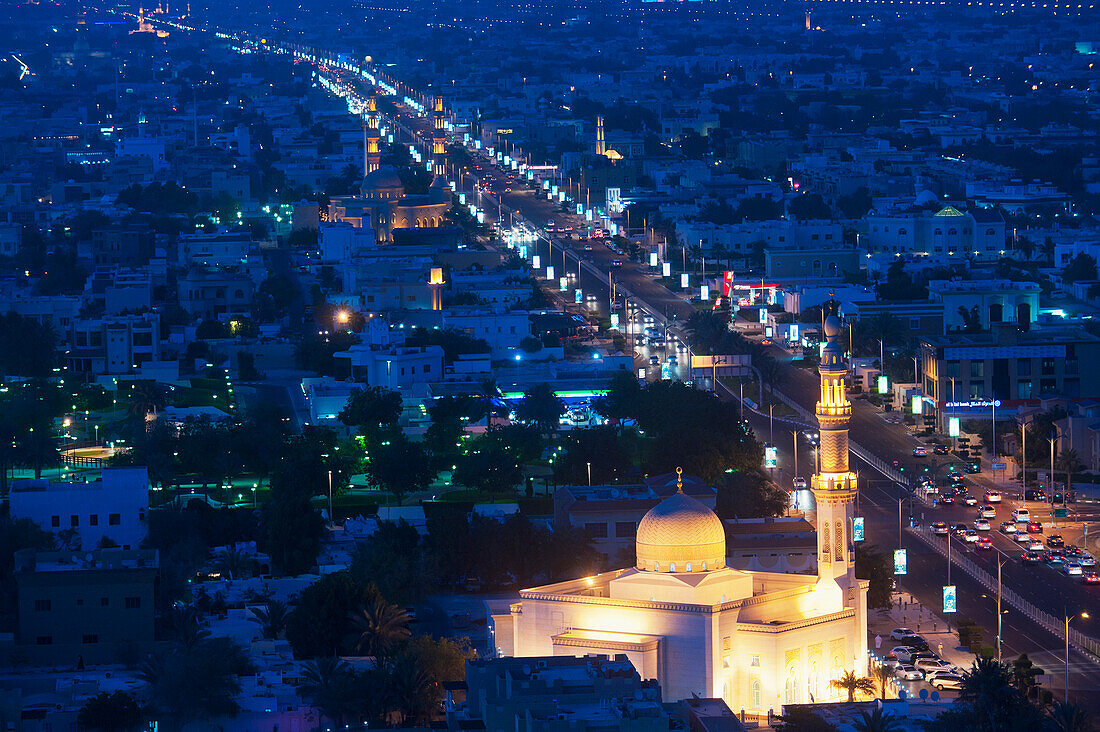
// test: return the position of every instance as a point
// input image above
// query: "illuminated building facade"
(757, 640)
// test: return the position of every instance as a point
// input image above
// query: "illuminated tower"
(808, 24)
(834, 485)
(601, 145)
(372, 158)
(438, 135)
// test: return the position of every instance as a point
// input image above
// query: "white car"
(799, 483)
(945, 680)
(987, 511)
(1008, 527)
(899, 633)
(970, 536)
(1021, 515)
(903, 653)
(1072, 569)
(1021, 537)
(992, 497)
(933, 665)
(905, 672)
(982, 524)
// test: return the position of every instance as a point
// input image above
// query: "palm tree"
(146, 397)
(327, 684)
(272, 619)
(186, 627)
(1068, 717)
(877, 721)
(882, 676)
(415, 696)
(236, 564)
(1070, 462)
(381, 626)
(988, 688)
(488, 390)
(851, 683)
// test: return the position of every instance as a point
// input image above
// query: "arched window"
(902, 232)
(756, 700)
(239, 294)
(938, 232)
(672, 567)
(688, 568)
(656, 566)
(996, 312)
(952, 232)
(990, 232)
(704, 566)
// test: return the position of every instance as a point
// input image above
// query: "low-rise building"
(90, 607)
(946, 231)
(395, 367)
(113, 507)
(991, 301)
(116, 345)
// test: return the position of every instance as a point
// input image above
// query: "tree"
(292, 527)
(855, 205)
(988, 701)
(882, 676)
(1025, 673)
(809, 206)
(749, 494)
(329, 685)
(1066, 717)
(488, 392)
(395, 560)
(802, 719)
(972, 319)
(877, 721)
(110, 712)
(607, 450)
(199, 682)
(449, 415)
(542, 407)
(399, 466)
(27, 347)
(488, 466)
(852, 684)
(320, 620)
(272, 618)
(379, 626)
(1081, 268)
(371, 409)
(899, 285)
(877, 568)
(412, 692)
(1069, 462)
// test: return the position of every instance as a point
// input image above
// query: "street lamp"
(1085, 616)
(589, 474)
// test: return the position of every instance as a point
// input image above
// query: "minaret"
(439, 135)
(372, 158)
(834, 485)
(808, 23)
(601, 146)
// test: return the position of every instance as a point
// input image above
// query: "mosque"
(382, 204)
(758, 640)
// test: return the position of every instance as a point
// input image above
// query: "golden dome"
(680, 534)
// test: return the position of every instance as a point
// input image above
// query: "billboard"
(953, 427)
(918, 404)
(727, 282)
(857, 528)
(883, 385)
(949, 599)
(900, 565)
(771, 455)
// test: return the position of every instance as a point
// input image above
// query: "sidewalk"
(907, 612)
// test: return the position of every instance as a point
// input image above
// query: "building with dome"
(758, 640)
(383, 205)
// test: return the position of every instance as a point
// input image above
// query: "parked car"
(982, 524)
(929, 665)
(906, 672)
(899, 633)
(948, 681)
(916, 642)
(904, 654)
(891, 661)
(940, 528)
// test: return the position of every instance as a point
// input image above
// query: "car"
(616, 263)
(1031, 557)
(587, 247)
(920, 452)
(906, 672)
(982, 524)
(1072, 569)
(940, 449)
(1021, 537)
(1073, 550)
(899, 633)
(946, 498)
(922, 656)
(972, 468)
(970, 536)
(1021, 515)
(1091, 578)
(958, 529)
(1035, 494)
(951, 682)
(891, 661)
(904, 653)
(655, 360)
(928, 665)
(672, 360)
(984, 542)
(800, 484)
(1056, 540)
(1086, 561)
(916, 642)
(1008, 527)
(1055, 557)
(969, 500)
(812, 437)
(987, 511)
(992, 496)
(940, 528)
(1035, 546)
(1034, 527)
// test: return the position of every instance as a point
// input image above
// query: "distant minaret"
(834, 485)
(807, 20)
(372, 158)
(601, 146)
(439, 135)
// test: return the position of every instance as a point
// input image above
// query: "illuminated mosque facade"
(757, 640)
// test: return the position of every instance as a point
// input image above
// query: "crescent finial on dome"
(679, 480)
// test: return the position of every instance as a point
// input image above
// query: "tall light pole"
(1084, 615)
(794, 434)
(330, 497)
(589, 474)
